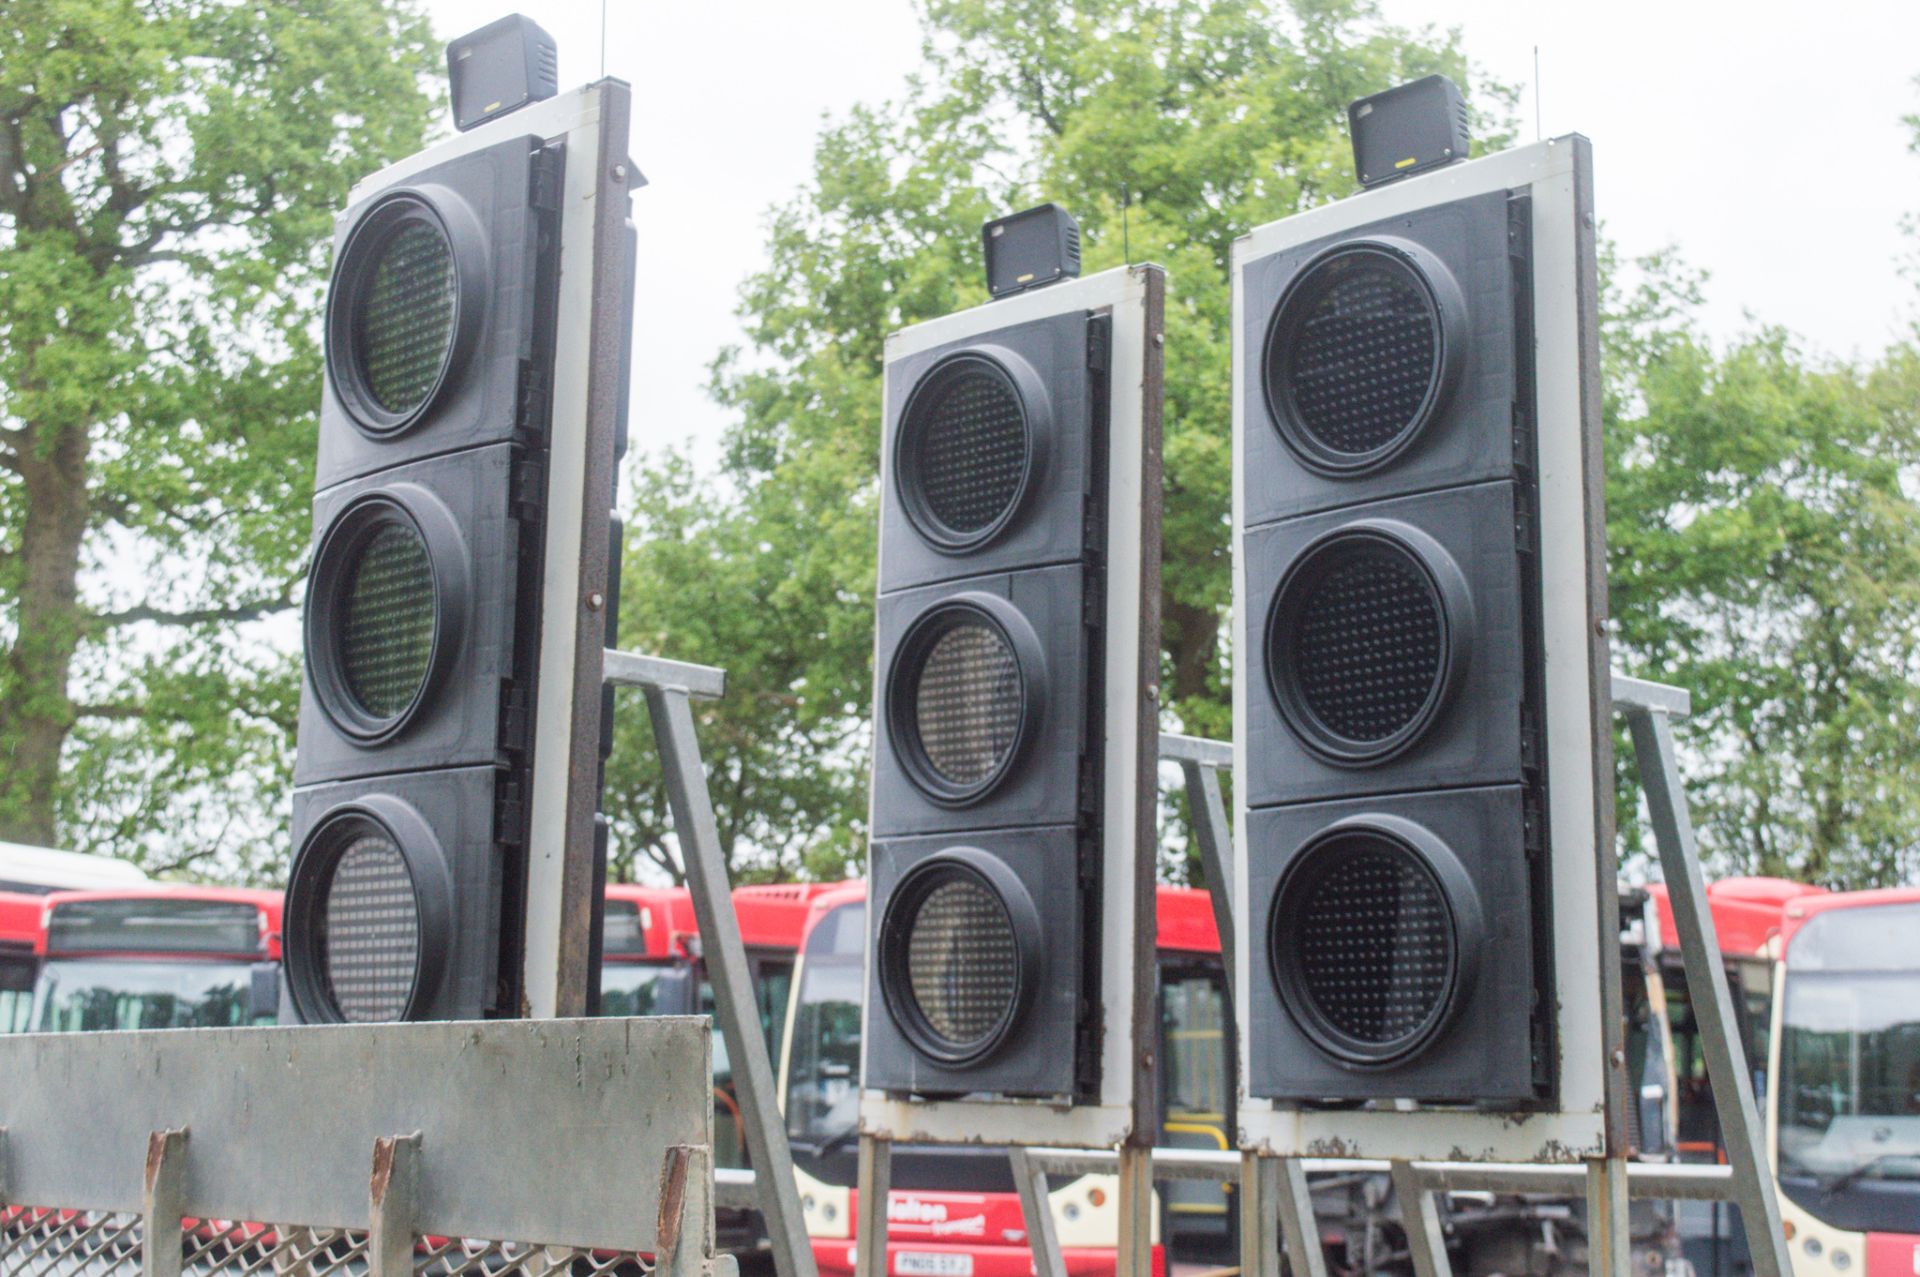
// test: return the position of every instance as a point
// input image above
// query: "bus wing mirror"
(263, 994)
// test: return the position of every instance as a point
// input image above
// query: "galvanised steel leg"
(873, 1186)
(1135, 1257)
(1753, 1189)
(1297, 1226)
(1215, 842)
(1426, 1242)
(1609, 1232)
(1260, 1231)
(1030, 1178)
(735, 1006)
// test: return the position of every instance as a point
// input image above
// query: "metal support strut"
(1650, 709)
(669, 687)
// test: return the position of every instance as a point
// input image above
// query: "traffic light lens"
(1358, 647)
(387, 622)
(404, 325)
(963, 962)
(967, 705)
(965, 453)
(369, 934)
(1354, 359)
(1363, 946)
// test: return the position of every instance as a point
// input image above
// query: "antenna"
(603, 40)
(1536, 93)
(1126, 240)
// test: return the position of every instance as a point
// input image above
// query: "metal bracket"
(1030, 1177)
(1650, 709)
(669, 687)
(1426, 1241)
(875, 1180)
(391, 1190)
(163, 1202)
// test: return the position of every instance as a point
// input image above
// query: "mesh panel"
(1364, 640)
(48, 1243)
(972, 453)
(387, 618)
(1373, 938)
(404, 322)
(962, 961)
(966, 704)
(1361, 358)
(370, 934)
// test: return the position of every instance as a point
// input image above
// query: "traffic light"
(463, 484)
(1418, 582)
(1015, 655)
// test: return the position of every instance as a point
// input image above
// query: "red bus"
(158, 957)
(1843, 1115)
(651, 965)
(954, 1211)
(19, 958)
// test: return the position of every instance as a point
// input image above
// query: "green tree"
(168, 174)
(1169, 127)
(1765, 554)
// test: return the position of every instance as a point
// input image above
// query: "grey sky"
(1762, 139)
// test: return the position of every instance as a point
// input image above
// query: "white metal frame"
(1110, 1122)
(1576, 1130)
(575, 117)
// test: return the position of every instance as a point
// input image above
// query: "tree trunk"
(1191, 635)
(39, 710)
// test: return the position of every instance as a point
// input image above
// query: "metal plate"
(553, 1131)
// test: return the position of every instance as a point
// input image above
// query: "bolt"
(1600, 626)
(595, 600)
(1619, 1058)
(1159, 339)
(619, 172)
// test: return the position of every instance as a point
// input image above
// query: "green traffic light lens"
(369, 930)
(404, 320)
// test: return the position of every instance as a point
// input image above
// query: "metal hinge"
(509, 811)
(1093, 603)
(527, 490)
(1094, 532)
(1522, 438)
(1533, 831)
(533, 398)
(516, 715)
(1099, 343)
(1529, 739)
(549, 170)
(1522, 524)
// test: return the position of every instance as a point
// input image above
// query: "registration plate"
(925, 1263)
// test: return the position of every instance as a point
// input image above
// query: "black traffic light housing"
(456, 474)
(996, 476)
(1392, 777)
(1017, 572)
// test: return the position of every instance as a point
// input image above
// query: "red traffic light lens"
(966, 452)
(1359, 357)
(403, 319)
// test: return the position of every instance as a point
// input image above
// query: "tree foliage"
(1169, 127)
(1764, 544)
(168, 174)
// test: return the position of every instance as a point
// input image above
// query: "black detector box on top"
(1408, 129)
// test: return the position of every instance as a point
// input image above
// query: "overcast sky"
(1767, 148)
